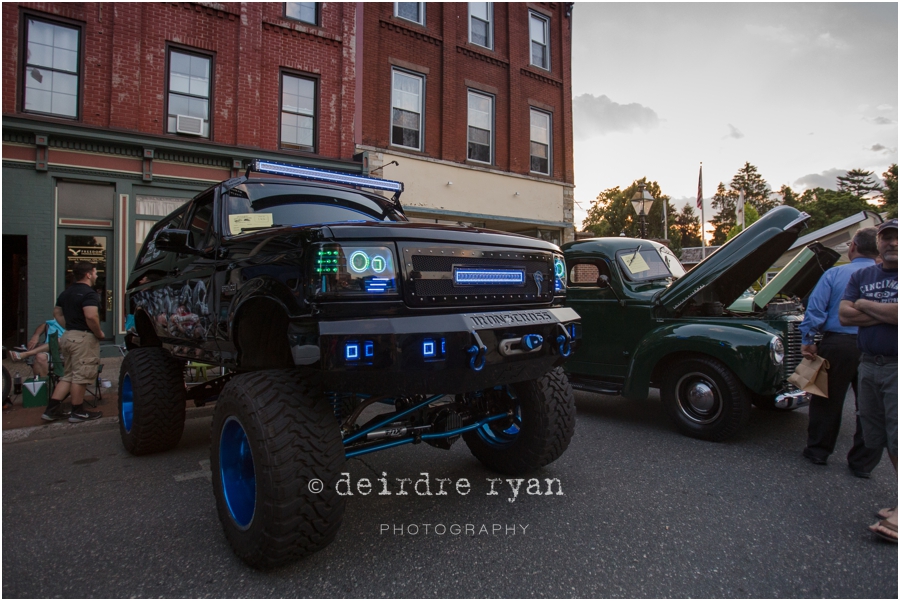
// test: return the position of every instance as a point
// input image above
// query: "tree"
(788, 196)
(858, 182)
(724, 202)
(750, 217)
(756, 194)
(889, 193)
(828, 206)
(756, 190)
(612, 213)
(687, 225)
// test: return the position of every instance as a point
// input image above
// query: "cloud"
(826, 179)
(878, 147)
(884, 107)
(826, 40)
(882, 121)
(733, 133)
(772, 33)
(885, 150)
(598, 116)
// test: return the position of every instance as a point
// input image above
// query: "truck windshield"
(646, 262)
(259, 205)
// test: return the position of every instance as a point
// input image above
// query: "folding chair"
(57, 370)
(200, 368)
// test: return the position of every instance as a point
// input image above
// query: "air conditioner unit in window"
(185, 124)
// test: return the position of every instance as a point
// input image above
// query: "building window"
(407, 91)
(540, 142)
(539, 28)
(52, 68)
(411, 11)
(189, 93)
(301, 11)
(149, 211)
(481, 23)
(298, 112)
(481, 126)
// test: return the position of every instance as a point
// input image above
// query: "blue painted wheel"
(126, 404)
(539, 427)
(502, 434)
(237, 472)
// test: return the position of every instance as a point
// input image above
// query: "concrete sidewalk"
(21, 417)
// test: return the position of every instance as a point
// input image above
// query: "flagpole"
(702, 212)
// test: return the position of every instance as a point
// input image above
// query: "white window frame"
(315, 20)
(209, 91)
(490, 26)
(300, 113)
(52, 70)
(531, 140)
(532, 16)
(421, 78)
(421, 12)
(490, 97)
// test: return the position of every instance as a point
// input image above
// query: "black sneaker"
(53, 414)
(83, 415)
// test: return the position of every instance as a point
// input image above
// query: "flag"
(739, 210)
(700, 189)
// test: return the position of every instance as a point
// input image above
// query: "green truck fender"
(743, 348)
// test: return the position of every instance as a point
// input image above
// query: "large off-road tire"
(538, 434)
(705, 398)
(274, 441)
(151, 401)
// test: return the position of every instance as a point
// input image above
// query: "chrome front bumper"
(792, 399)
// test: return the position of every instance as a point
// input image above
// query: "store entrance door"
(94, 246)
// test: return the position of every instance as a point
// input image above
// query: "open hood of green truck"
(798, 277)
(724, 275)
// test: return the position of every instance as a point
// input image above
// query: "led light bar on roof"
(322, 175)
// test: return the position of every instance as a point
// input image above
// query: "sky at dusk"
(803, 91)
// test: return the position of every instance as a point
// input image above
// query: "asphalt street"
(644, 512)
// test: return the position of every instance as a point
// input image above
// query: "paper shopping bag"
(812, 376)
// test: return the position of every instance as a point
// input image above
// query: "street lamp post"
(642, 201)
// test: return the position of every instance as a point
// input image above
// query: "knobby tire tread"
(157, 383)
(294, 438)
(546, 431)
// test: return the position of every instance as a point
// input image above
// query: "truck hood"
(724, 275)
(799, 276)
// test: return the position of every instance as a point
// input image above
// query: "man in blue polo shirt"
(839, 347)
(870, 303)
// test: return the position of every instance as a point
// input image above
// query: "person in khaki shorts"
(77, 310)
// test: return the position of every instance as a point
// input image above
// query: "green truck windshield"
(645, 263)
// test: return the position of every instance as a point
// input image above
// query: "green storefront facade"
(79, 193)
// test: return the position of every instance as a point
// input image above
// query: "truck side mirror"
(177, 241)
(603, 281)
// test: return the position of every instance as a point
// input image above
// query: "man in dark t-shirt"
(870, 302)
(78, 310)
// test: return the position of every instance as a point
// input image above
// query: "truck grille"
(792, 355)
(428, 273)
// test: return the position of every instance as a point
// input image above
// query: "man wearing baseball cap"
(870, 302)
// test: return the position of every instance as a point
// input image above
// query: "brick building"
(473, 101)
(114, 114)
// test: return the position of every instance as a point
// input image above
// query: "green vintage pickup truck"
(648, 323)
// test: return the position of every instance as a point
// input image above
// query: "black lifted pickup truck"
(321, 300)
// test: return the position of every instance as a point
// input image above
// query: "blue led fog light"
(351, 351)
(377, 284)
(369, 348)
(428, 348)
